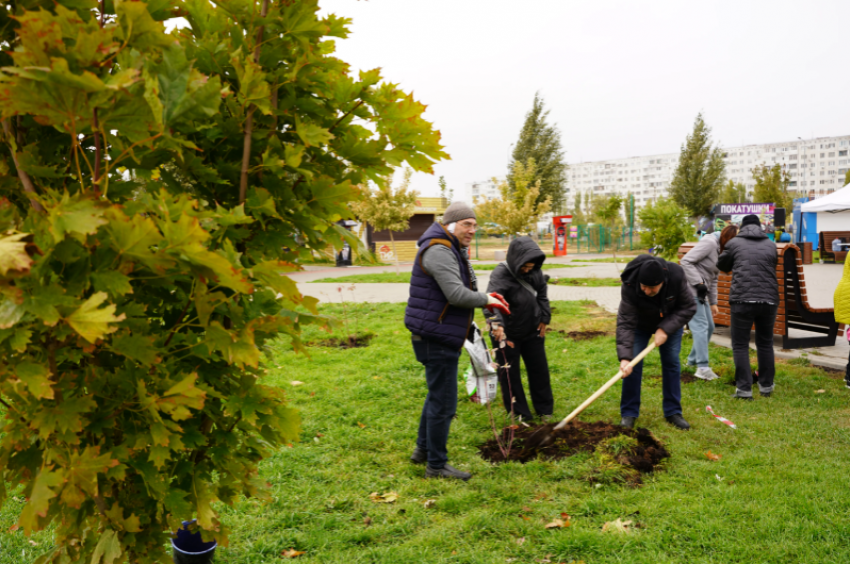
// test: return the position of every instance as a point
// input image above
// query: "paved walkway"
(821, 280)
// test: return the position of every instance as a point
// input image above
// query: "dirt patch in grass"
(583, 335)
(350, 342)
(613, 445)
(833, 373)
(684, 377)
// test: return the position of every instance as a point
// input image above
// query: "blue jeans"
(702, 328)
(440, 364)
(671, 371)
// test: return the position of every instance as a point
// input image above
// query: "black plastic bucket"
(189, 548)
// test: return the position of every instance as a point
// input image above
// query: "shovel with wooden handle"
(544, 435)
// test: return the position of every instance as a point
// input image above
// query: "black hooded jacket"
(752, 258)
(527, 312)
(669, 310)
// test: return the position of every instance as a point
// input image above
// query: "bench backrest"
(825, 239)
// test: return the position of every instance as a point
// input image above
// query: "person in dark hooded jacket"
(655, 303)
(753, 300)
(521, 282)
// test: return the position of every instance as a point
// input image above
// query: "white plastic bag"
(482, 380)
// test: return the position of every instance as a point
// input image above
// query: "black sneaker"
(766, 394)
(446, 472)
(745, 398)
(678, 421)
(419, 456)
(628, 422)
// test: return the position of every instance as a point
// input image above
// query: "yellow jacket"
(842, 296)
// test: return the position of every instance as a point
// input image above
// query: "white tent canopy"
(838, 201)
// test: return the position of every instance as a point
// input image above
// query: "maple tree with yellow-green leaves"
(517, 211)
(155, 189)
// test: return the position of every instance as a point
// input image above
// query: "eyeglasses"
(469, 225)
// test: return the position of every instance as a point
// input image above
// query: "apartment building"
(814, 165)
(473, 192)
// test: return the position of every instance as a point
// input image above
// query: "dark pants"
(671, 371)
(440, 406)
(532, 350)
(744, 315)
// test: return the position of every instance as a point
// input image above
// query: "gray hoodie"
(700, 264)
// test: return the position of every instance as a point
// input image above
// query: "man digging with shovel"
(656, 302)
(443, 298)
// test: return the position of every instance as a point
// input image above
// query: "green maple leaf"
(176, 504)
(81, 474)
(312, 135)
(158, 455)
(37, 379)
(112, 282)
(10, 313)
(39, 499)
(216, 266)
(235, 347)
(133, 237)
(43, 301)
(20, 339)
(74, 215)
(65, 418)
(137, 347)
(271, 273)
(204, 498)
(13, 254)
(108, 548)
(92, 323)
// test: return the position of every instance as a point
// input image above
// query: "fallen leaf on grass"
(719, 479)
(618, 526)
(527, 509)
(291, 553)
(429, 503)
(711, 456)
(388, 497)
(376, 377)
(296, 383)
(520, 541)
(820, 392)
(561, 523)
(367, 520)
(362, 426)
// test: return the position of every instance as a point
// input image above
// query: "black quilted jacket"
(752, 258)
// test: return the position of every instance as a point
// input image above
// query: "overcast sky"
(622, 78)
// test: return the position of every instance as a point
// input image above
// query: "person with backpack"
(700, 265)
(753, 300)
(521, 282)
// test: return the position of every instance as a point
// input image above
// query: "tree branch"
(29, 188)
(97, 147)
(179, 319)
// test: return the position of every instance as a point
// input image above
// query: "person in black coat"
(753, 300)
(521, 282)
(655, 303)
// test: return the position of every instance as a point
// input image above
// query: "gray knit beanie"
(458, 211)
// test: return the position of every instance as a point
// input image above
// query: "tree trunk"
(395, 254)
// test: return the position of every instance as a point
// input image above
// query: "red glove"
(496, 301)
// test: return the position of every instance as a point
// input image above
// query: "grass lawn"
(403, 277)
(778, 494)
(590, 282)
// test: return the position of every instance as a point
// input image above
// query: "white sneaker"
(705, 373)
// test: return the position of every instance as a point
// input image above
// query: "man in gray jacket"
(443, 297)
(753, 299)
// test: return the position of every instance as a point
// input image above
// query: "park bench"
(794, 310)
(825, 239)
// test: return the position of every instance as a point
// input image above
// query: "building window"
(842, 153)
(792, 166)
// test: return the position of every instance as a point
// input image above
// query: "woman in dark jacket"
(753, 300)
(520, 280)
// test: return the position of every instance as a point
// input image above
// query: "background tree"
(733, 193)
(155, 189)
(847, 177)
(387, 208)
(542, 142)
(665, 226)
(772, 186)
(606, 209)
(445, 192)
(518, 209)
(700, 173)
(579, 217)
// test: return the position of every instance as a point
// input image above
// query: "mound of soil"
(350, 342)
(579, 437)
(583, 335)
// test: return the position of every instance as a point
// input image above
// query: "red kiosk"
(560, 234)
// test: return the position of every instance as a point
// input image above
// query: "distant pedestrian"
(753, 299)
(655, 303)
(700, 265)
(521, 282)
(443, 298)
(841, 300)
